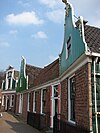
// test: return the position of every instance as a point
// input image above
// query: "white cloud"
(4, 44)
(25, 18)
(56, 16)
(51, 3)
(24, 4)
(40, 34)
(13, 32)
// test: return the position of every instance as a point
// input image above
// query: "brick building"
(69, 87)
(9, 89)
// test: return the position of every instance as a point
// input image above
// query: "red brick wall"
(31, 102)
(38, 100)
(25, 102)
(83, 99)
(9, 97)
(64, 97)
(83, 95)
(17, 104)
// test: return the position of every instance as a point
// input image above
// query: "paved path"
(9, 124)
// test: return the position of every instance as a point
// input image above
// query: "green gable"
(22, 81)
(74, 45)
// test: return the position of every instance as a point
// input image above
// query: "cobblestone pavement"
(9, 124)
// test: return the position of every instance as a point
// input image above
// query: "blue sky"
(34, 29)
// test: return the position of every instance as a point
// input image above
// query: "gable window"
(43, 101)
(71, 100)
(68, 47)
(9, 79)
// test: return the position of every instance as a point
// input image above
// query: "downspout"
(95, 97)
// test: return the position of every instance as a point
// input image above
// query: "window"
(12, 101)
(68, 47)
(56, 91)
(71, 89)
(35, 101)
(9, 79)
(43, 101)
(55, 99)
(9, 74)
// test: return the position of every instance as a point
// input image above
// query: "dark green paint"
(77, 46)
(22, 78)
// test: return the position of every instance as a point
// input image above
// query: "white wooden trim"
(50, 83)
(34, 101)
(28, 102)
(7, 92)
(2, 100)
(41, 111)
(21, 103)
(69, 107)
(75, 66)
(93, 54)
(27, 82)
(6, 102)
(53, 105)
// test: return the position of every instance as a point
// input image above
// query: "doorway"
(55, 102)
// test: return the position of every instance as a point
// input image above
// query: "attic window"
(68, 47)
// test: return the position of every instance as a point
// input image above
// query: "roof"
(48, 73)
(32, 73)
(92, 37)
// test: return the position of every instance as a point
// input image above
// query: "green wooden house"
(80, 72)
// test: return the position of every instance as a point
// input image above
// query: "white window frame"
(28, 104)
(21, 103)
(69, 102)
(3, 100)
(11, 101)
(10, 79)
(41, 100)
(53, 104)
(34, 102)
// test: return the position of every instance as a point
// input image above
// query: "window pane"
(72, 98)
(44, 101)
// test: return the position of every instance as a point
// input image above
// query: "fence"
(60, 126)
(38, 121)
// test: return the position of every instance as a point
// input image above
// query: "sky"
(35, 29)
